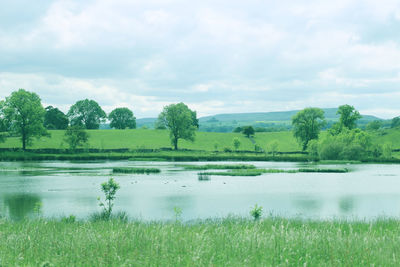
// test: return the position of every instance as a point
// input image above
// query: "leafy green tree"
(307, 125)
(349, 144)
(122, 118)
(395, 122)
(238, 129)
(76, 136)
(236, 143)
(109, 189)
(3, 123)
(178, 118)
(24, 115)
(55, 119)
(273, 147)
(374, 125)
(348, 116)
(87, 113)
(195, 120)
(248, 131)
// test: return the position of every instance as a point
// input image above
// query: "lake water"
(62, 188)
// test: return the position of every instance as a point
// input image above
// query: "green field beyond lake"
(154, 139)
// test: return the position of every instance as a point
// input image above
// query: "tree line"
(22, 114)
(343, 140)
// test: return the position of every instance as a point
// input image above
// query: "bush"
(256, 212)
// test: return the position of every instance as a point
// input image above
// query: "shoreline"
(179, 156)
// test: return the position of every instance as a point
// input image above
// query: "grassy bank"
(150, 156)
(135, 170)
(257, 172)
(228, 242)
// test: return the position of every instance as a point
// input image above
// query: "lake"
(55, 188)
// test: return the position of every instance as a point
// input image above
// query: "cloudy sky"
(216, 56)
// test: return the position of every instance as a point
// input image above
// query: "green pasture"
(208, 141)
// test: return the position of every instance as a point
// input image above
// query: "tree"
(87, 113)
(307, 124)
(395, 122)
(236, 143)
(122, 118)
(248, 131)
(55, 119)
(195, 120)
(178, 118)
(109, 189)
(76, 136)
(348, 116)
(374, 125)
(273, 147)
(24, 115)
(3, 123)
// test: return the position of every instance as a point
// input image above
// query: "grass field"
(228, 242)
(154, 139)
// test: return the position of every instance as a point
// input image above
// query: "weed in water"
(178, 213)
(203, 177)
(256, 212)
(110, 189)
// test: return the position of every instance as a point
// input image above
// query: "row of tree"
(307, 123)
(89, 114)
(343, 141)
(22, 114)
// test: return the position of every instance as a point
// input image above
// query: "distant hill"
(147, 122)
(330, 114)
(272, 121)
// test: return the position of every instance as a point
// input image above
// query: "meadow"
(205, 141)
(219, 242)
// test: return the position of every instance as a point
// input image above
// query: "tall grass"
(135, 170)
(227, 242)
(218, 167)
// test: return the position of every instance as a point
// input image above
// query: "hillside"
(272, 121)
(153, 139)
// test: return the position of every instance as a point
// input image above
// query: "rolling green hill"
(274, 121)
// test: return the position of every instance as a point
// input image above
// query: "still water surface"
(65, 188)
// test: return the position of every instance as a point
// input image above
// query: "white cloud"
(225, 56)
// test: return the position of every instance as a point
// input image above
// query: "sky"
(216, 56)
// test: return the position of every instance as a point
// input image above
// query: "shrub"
(256, 212)
(110, 189)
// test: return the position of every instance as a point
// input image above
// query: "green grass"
(136, 170)
(239, 172)
(227, 242)
(150, 156)
(137, 139)
(217, 167)
(343, 170)
(257, 172)
(203, 148)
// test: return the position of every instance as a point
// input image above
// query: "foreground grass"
(228, 242)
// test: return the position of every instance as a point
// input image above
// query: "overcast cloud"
(216, 56)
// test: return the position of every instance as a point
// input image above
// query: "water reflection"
(21, 206)
(307, 204)
(346, 204)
